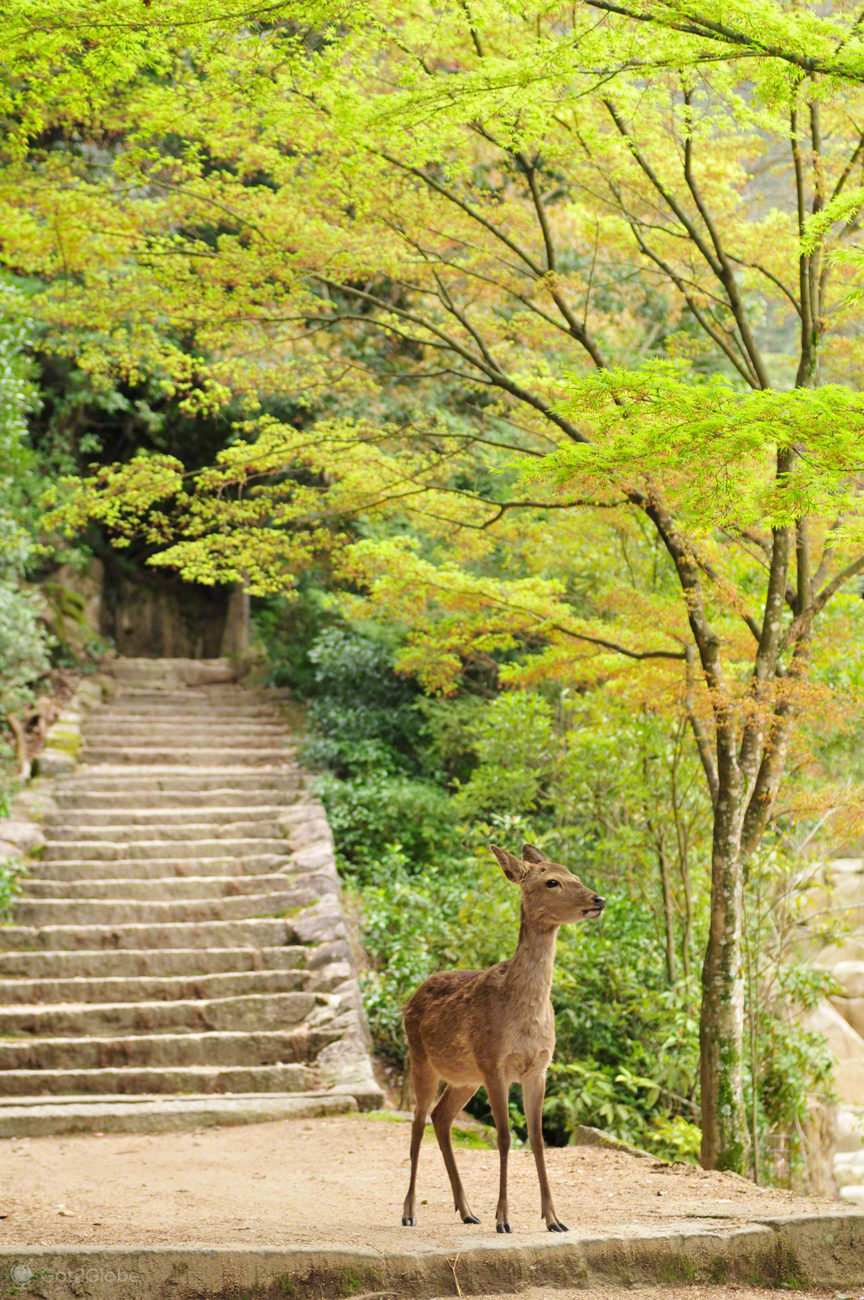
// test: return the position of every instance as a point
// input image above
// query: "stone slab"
(811, 1250)
(38, 1116)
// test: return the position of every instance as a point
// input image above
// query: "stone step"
(204, 757)
(175, 723)
(235, 1014)
(188, 738)
(226, 698)
(107, 730)
(142, 1079)
(158, 889)
(259, 932)
(117, 912)
(130, 708)
(152, 779)
(133, 800)
(146, 701)
(160, 868)
(151, 988)
(107, 851)
(143, 816)
(162, 1050)
(125, 664)
(76, 819)
(244, 710)
(132, 963)
(241, 826)
(166, 682)
(38, 1116)
(164, 673)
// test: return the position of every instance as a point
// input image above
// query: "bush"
(23, 649)
(371, 814)
(287, 628)
(23, 641)
(11, 871)
(364, 717)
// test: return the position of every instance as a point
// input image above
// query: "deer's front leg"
(497, 1089)
(533, 1092)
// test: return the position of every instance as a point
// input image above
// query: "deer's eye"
(553, 884)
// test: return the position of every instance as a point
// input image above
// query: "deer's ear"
(530, 853)
(511, 866)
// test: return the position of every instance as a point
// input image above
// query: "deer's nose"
(598, 901)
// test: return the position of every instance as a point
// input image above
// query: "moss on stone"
(68, 742)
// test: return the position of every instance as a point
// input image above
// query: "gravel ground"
(338, 1181)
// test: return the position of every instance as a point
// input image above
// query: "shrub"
(23, 648)
(23, 641)
(364, 717)
(287, 629)
(11, 871)
(371, 814)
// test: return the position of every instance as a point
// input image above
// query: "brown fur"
(495, 1027)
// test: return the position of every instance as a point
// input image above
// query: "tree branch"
(724, 273)
(696, 24)
(703, 744)
(800, 626)
(619, 649)
(495, 375)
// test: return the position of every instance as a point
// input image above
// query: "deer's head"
(551, 895)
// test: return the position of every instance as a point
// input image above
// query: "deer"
(495, 1027)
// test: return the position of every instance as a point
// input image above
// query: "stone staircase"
(179, 954)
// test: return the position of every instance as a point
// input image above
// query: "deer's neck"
(529, 975)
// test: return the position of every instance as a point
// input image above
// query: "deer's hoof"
(409, 1223)
(503, 1227)
(557, 1227)
(470, 1218)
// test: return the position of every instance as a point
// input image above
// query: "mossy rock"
(66, 617)
(53, 762)
(67, 603)
(68, 742)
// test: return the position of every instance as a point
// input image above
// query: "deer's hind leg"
(449, 1104)
(424, 1079)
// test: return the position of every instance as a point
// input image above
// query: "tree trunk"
(721, 1030)
(668, 910)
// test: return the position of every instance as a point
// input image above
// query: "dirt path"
(337, 1181)
(672, 1293)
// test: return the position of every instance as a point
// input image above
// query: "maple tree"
(538, 283)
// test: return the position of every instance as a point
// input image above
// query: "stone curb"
(815, 1250)
(345, 1065)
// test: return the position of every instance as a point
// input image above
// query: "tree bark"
(668, 909)
(721, 1027)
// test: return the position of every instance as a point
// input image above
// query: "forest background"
(511, 359)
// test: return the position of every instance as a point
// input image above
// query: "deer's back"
(467, 1021)
(452, 1021)
(446, 995)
